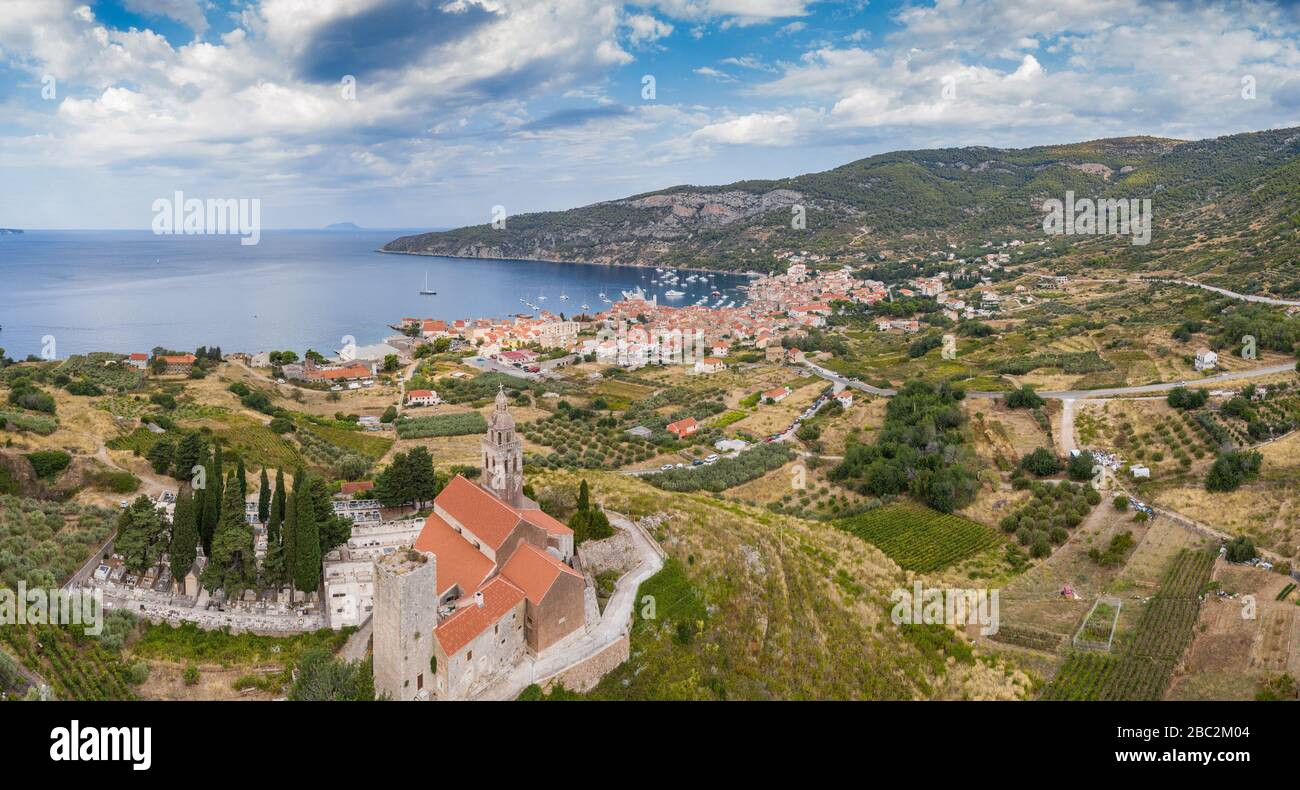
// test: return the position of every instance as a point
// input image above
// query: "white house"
(421, 398)
(1206, 359)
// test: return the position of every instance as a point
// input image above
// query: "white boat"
(425, 290)
(563, 296)
(585, 307)
(674, 294)
(541, 297)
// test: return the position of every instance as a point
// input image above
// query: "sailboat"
(541, 297)
(585, 307)
(425, 290)
(563, 296)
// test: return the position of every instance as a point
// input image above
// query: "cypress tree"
(243, 482)
(276, 521)
(288, 539)
(219, 472)
(584, 497)
(278, 502)
(233, 564)
(263, 498)
(185, 535)
(306, 538)
(211, 508)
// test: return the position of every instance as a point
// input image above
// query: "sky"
(430, 113)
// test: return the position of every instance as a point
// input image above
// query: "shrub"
(1041, 462)
(1120, 502)
(49, 463)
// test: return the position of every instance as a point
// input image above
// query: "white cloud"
(187, 12)
(714, 74)
(644, 29)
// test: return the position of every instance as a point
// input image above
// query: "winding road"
(1112, 392)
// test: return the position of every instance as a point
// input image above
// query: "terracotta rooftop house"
(348, 489)
(139, 361)
(554, 593)
(777, 395)
(179, 363)
(683, 428)
(338, 374)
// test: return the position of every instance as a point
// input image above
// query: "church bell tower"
(503, 455)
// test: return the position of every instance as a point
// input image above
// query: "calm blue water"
(132, 290)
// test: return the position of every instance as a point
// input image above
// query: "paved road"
(1113, 392)
(1232, 294)
(613, 625)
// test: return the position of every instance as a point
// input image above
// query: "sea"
(73, 292)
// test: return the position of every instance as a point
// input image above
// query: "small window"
(469, 656)
(419, 681)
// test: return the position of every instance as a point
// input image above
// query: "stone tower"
(503, 455)
(405, 614)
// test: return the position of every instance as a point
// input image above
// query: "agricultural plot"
(78, 667)
(1047, 518)
(43, 543)
(921, 539)
(586, 441)
(1164, 631)
(441, 425)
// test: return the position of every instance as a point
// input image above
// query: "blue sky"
(462, 105)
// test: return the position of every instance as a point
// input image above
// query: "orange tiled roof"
(183, 359)
(352, 488)
(457, 631)
(458, 562)
(545, 521)
(355, 372)
(490, 519)
(534, 571)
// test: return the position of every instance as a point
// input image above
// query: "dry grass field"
(1230, 653)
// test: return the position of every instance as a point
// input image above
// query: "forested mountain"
(1205, 194)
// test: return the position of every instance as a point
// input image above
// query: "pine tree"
(141, 535)
(191, 452)
(306, 538)
(232, 566)
(263, 498)
(423, 478)
(185, 535)
(332, 530)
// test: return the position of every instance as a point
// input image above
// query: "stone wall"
(584, 675)
(616, 553)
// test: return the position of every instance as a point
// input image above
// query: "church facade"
(489, 581)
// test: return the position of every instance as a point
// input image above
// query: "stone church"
(488, 582)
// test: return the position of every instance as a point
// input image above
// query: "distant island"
(344, 226)
(8, 231)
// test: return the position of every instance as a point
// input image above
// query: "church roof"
(534, 571)
(541, 519)
(458, 562)
(470, 620)
(490, 519)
